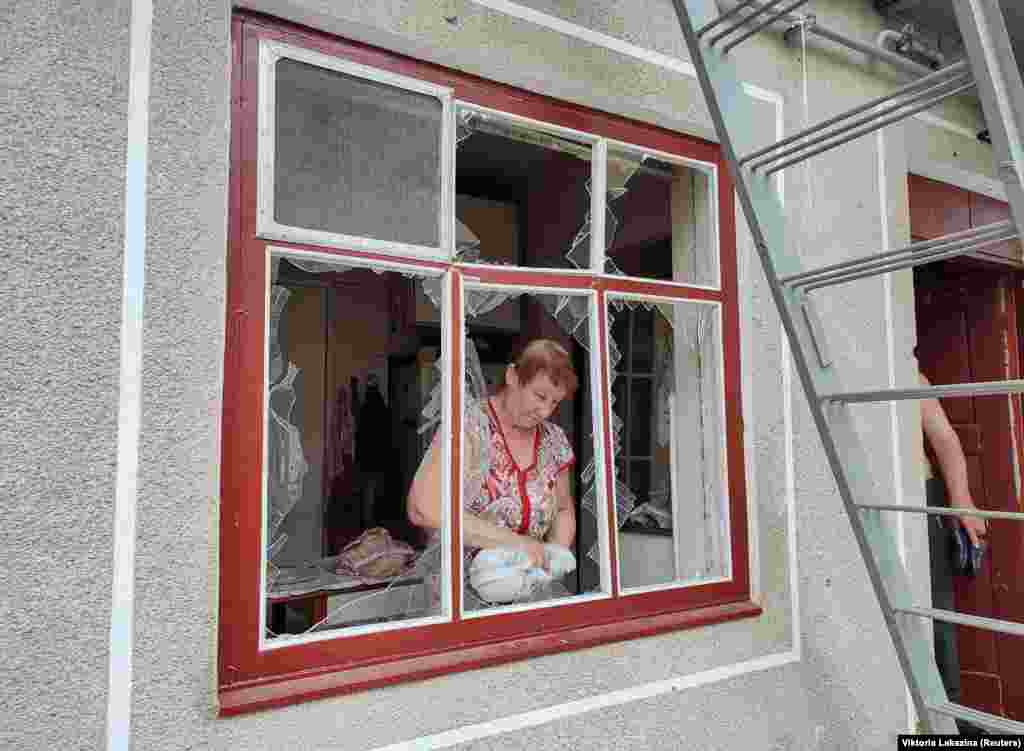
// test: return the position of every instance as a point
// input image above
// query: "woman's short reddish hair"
(549, 357)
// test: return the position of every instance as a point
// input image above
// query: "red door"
(967, 326)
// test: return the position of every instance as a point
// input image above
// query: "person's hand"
(534, 549)
(976, 528)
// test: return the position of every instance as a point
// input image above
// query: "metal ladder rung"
(764, 24)
(950, 71)
(963, 619)
(990, 388)
(977, 717)
(758, 9)
(915, 254)
(943, 511)
(725, 17)
(877, 125)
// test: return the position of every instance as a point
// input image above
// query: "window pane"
(643, 418)
(671, 501)
(659, 223)
(640, 477)
(620, 397)
(518, 452)
(356, 157)
(620, 329)
(642, 350)
(344, 437)
(541, 179)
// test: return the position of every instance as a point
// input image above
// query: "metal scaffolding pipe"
(758, 10)
(940, 243)
(725, 17)
(873, 127)
(951, 616)
(814, 138)
(938, 75)
(764, 24)
(930, 256)
(984, 388)
(943, 511)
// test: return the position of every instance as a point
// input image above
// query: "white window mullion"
(448, 136)
(598, 204)
(603, 469)
(265, 147)
(451, 327)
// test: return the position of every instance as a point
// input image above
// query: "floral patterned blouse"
(522, 498)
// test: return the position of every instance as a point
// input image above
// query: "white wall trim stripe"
(554, 23)
(537, 717)
(890, 352)
(122, 613)
(597, 38)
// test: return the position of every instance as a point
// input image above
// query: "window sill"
(639, 529)
(302, 686)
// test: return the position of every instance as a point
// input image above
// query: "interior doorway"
(969, 315)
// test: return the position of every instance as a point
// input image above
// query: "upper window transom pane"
(356, 157)
(659, 222)
(542, 177)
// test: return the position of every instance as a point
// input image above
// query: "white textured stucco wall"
(62, 145)
(179, 449)
(845, 691)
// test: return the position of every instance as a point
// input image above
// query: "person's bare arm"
(563, 528)
(952, 463)
(423, 505)
(425, 511)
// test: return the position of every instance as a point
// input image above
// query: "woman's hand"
(535, 550)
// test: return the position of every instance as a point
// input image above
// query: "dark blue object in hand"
(967, 557)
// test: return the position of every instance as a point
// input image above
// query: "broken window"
(345, 394)
(544, 174)
(671, 490)
(399, 237)
(659, 222)
(558, 469)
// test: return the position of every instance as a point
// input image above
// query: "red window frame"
(251, 679)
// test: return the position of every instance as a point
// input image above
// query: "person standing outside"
(950, 490)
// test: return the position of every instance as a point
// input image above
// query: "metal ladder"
(991, 68)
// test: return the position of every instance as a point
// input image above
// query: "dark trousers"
(940, 553)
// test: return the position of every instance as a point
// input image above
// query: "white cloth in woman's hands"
(558, 560)
(504, 575)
